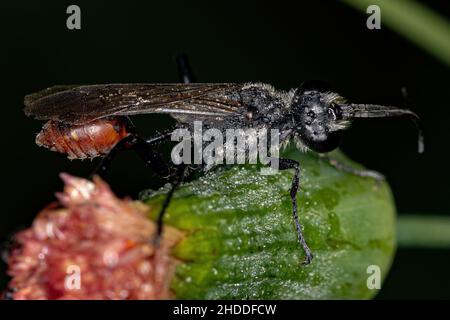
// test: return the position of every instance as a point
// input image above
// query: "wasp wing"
(81, 104)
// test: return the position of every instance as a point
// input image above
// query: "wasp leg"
(144, 148)
(184, 69)
(292, 164)
(176, 180)
(185, 76)
(357, 172)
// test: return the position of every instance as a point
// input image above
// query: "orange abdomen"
(89, 140)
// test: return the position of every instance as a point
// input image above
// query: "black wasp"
(91, 121)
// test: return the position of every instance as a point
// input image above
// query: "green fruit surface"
(241, 242)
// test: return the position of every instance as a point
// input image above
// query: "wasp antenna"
(351, 111)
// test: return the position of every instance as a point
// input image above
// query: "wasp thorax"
(316, 119)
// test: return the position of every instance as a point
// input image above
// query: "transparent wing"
(81, 104)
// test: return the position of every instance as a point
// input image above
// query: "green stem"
(414, 21)
(423, 231)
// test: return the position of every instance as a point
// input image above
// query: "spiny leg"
(185, 76)
(292, 164)
(144, 148)
(176, 180)
(346, 168)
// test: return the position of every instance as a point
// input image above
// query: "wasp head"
(320, 117)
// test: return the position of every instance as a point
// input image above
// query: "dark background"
(276, 42)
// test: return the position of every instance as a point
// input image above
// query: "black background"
(282, 43)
